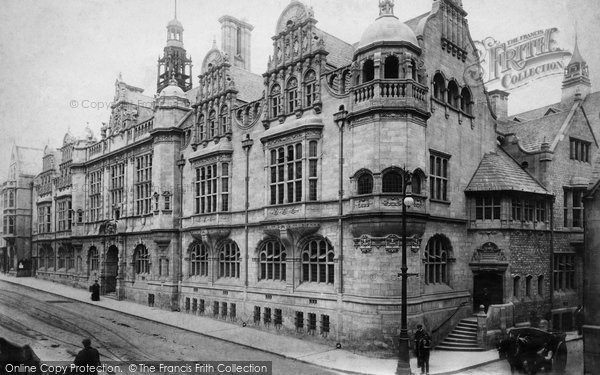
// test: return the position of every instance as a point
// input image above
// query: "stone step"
(460, 340)
(459, 349)
(461, 335)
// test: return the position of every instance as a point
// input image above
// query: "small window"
(540, 285)
(528, 286)
(392, 182)
(256, 314)
(368, 71)
(365, 183)
(516, 286)
(299, 323)
(267, 315)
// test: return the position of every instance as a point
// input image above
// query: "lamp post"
(180, 165)
(403, 354)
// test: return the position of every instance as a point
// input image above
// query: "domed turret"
(387, 29)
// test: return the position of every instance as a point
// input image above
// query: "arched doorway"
(489, 266)
(112, 269)
(487, 289)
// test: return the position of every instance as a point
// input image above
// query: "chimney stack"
(499, 101)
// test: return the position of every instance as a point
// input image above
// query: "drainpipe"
(551, 259)
(246, 145)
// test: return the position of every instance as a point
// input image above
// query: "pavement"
(324, 355)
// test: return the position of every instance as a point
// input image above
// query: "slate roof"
(497, 171)
(340, 52)
(532, 133)
(250, 86)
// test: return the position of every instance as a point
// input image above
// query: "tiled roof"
(532, 133)
(499, 172)
(340, 52)
(250, 86)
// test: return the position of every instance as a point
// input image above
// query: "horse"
(12, 354)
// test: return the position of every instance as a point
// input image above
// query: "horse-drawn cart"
(532, 350)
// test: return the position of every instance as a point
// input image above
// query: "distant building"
(276, 199)
(16, 202)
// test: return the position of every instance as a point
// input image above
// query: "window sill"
(439, 201)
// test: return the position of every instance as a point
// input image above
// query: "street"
(54, 327)
(574, 363)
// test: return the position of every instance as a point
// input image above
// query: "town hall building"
(275, 200)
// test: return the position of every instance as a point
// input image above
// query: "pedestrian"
(418, 337)
(425, 351)
(88, 357)
(95, 289)
(579, 320)
(485, 300)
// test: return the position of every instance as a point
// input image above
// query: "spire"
(175, 16)
(386, 7)
(576, 58)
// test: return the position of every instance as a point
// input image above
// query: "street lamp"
(403, 354)
(180, 165)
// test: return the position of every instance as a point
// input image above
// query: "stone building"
(16, 205)
(276, 200)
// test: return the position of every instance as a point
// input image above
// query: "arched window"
(62, 258)
(71, 259)
(229, 260)
(368, 71)
(201, 127)
(436, 260)
(275, 100)
(93, 259)
(317, 261)
(391, 67)
(415, 183)
(333, 82)
(466, 103)
(310, 88)
(292, 94)
(439, 86)
(42, 258)
(392, 181)
(141, 260)
(413, 69)
(224, 120)
(453, 94)
(212, 125)
(272, 258)
(198, 259)
(344, 82)
(365, 183)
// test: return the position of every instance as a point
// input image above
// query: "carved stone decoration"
(362, 203)
(488, 252)
(363, 243)
(393, 243)
(109, 227)
(290, 234)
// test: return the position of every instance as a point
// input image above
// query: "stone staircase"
(463, 337)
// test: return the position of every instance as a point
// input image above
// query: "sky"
(59, 58)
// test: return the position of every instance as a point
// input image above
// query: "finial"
(175, 8)
(386, 7)
(214, 46)
(120, 77)
(173, 81)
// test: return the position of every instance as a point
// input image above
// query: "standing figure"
(418, 337)
(485, 299)
(88, 356)
(579, 320)
(425, 350)
(95, 289)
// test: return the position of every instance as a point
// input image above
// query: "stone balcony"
(389, 94)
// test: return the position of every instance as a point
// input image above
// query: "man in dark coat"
(95, 289)
(418, 336)
(87, 357)
(425, 349)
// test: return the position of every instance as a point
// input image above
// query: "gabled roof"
(531, 134)
(497, 171)
(340, 52)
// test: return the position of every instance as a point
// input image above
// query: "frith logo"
(521, 60)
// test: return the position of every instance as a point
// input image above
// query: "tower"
(577, 76)
(174, 62)
(235, 39)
